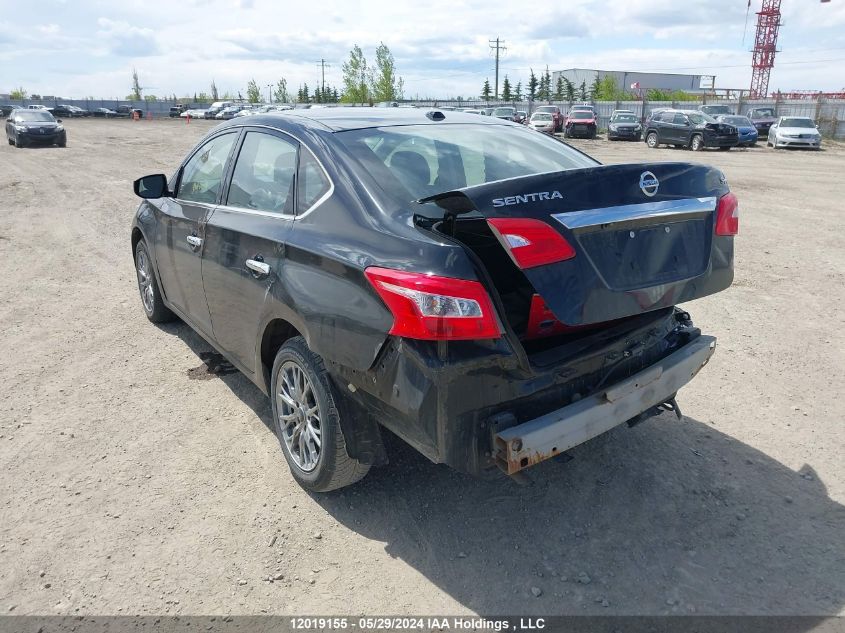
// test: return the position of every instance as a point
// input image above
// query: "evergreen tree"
(569, 89)
(559, 89)
(486, 91)
(214, 95)
(517, 93)
(506, 89)
(532, 85)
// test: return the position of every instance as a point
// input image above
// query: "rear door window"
(203, 173)
(264, 174)
(312, 182)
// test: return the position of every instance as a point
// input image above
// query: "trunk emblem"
(649, 183)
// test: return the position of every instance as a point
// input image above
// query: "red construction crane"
(765, 46)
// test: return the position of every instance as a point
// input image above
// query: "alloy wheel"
(145, 281)
(299, 416)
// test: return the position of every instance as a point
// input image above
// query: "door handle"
(194, 241)
(258, 267)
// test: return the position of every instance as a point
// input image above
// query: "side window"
(264, 174)
(312, 182)
(680, 119)
(203, 173)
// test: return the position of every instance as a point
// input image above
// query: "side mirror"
(151, 187)
(58, 120)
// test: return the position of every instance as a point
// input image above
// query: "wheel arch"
(274, 334)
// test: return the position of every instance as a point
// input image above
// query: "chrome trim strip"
(642, 211)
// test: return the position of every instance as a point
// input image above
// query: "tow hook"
(672, 405)
(669, 405)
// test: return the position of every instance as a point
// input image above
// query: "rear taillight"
(435, 308)
(727, 215)
(530, 242)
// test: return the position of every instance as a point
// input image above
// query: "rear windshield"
(797, 123)
(33, 115)
(552, 109)
(414, 161)
(761, 112)
(581, 114)
(503, 111)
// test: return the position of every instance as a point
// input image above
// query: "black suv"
(489, 294)
(688, 128)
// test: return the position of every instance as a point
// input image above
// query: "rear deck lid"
(643, 235)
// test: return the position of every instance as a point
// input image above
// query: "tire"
(9, 140)
(151, 299)
(651, 140)
(696, 143)
(305, 387)
(17, 142)
(63, 141)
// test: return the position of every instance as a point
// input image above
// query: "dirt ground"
(127, 485)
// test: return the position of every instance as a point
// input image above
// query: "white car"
(542, 122)
(195, 113)
(794, 131)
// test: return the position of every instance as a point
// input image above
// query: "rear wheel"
(697, 143)
(651, 140)
(307, 421)
(151, 297)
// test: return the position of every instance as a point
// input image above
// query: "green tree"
(386, 85)
(486, 90)
(280, 93)
(354, 72)
(559, 88)
(135, 95)
(547, 83)
(532, 85)
(335, 96)
(595, 87)
(506, 89)
(214, 95)
(201, 98)
(583, 90)
(150, 98)
(305, 94)
(517, 93)
(253, 92)
(18, 94)
(569, 89)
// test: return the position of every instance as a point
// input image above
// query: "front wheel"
(18, 142)
(63, 141)
(651, 140)
(151, 298)
(307, 421)
(697, 143)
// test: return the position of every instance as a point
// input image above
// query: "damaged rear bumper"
(531, 442)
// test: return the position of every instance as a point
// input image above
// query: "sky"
(88, 48)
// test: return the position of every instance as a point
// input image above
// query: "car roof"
(349, 118)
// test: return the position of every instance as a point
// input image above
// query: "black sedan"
(34, 127)
(487, 293)
(624, 126)
(104, 113)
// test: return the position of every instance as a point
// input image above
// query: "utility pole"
(498, 46)
(323, 66)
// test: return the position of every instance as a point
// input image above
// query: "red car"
(581, 123)
(557, 115)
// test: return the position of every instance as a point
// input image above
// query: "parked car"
(194, 113)
(521, 116)
(794, 131)
(624, 125)
(177, 110)
(129, 111)
(474, 111)
(744, 127)
(689, 128)
(507, 113)
(542, 122)
(489, 317)
(6, 109)
(763, 118)
(216, 107)
(580, 123)
(104, 113)
(229, 112)
(487, 111)
(63, 110)
(715, 110)
(34, 127)
(556, 113)
(79, 112)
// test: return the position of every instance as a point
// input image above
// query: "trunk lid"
(643, 235)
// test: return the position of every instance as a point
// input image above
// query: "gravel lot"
(135, 482)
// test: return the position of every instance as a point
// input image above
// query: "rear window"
(414, 161)
(581, 115)
(503, 112)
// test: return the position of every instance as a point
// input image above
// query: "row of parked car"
(71, 111)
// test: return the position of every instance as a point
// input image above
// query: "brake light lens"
(435, 308)
(727, 215)
(531, 242)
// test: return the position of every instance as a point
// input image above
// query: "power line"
(498, 47)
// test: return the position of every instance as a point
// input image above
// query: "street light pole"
(270, 92)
